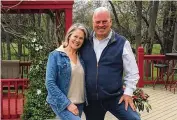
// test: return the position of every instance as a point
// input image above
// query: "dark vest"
(104, 79)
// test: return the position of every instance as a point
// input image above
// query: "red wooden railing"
(12, 93)
(148, 72)
(12, 98)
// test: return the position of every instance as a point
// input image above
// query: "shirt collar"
(105, 39)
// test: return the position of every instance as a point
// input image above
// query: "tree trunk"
(156, 35)
(138, 24)
(175, 38)
(39, 20)
(120, 29)
(59, 28)
(48, 28)
(115, 14)
(168, 26)
(2, 51)
(151, 29)
(19, 49)
(8, 46)
(19, 41)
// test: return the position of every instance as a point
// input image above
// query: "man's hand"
(128, 101)
(73, 108)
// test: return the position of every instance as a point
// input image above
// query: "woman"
(65, 76)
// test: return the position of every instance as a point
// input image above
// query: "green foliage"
(36, 107)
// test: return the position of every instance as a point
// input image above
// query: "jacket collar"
(63, 53)
(112, 40)
(61, 50)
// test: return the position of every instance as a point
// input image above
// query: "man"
(106, 55)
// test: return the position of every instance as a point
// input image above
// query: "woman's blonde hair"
(72, 29)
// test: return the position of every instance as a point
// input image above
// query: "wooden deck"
(163, 102)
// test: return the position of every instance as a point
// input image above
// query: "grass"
(14, 51)
(156, 49)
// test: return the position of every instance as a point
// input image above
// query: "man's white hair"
(101, 9)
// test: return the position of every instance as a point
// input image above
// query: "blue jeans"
(97, 109)
(67, 115)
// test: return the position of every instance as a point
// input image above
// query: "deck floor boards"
(163, 102)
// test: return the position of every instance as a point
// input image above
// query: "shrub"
(36, 107)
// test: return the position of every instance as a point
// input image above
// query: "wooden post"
(1, 98)
(141, 67)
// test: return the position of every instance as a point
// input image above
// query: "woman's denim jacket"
(58, 76)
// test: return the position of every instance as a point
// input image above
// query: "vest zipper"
(97, 81)
(97, 69)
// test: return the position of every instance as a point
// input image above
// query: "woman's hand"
(73, 108)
